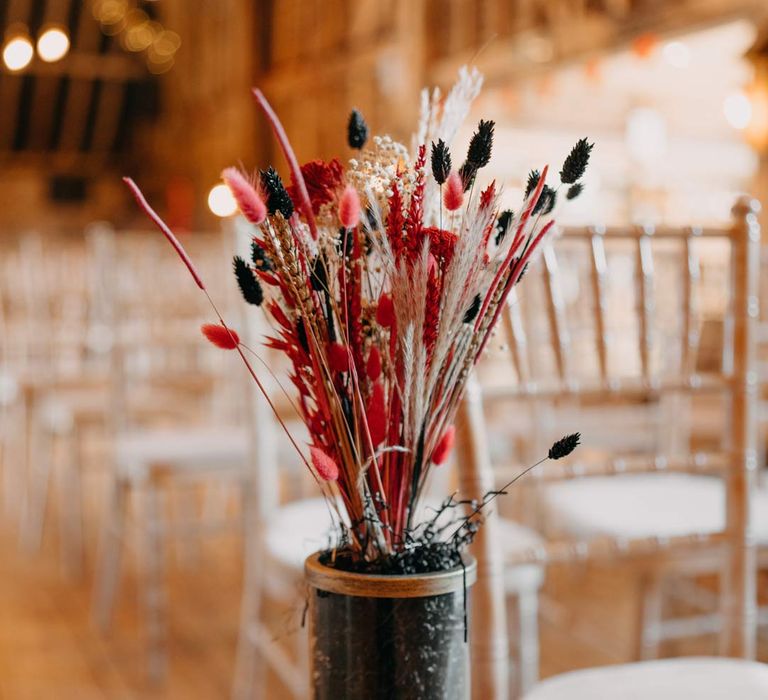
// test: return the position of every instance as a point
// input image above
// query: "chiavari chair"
(670, 506)
(176, 425)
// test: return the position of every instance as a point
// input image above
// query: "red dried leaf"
(444, 446)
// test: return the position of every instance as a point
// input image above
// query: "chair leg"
(40, 450)
(108, 563)
(526, 632)
(250, 669)
(649, 620)
(152, 588)
(71, 508)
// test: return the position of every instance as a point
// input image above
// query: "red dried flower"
(385, 311)
(322, 180)
(249, 202)
(221, 337)
(376, 414)
(487, 195)
(441, 243)
(373, 366)
(444, 446)
(338, 357)
(349, 208)
(453, 197)
(324, 465)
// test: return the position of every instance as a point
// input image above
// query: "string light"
(52, 45)
(221, 202)
(18, 53)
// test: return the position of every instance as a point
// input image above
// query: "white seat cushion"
(299, 529)
(190, 446)
(698, 678)
(644, 505)
(518, 539)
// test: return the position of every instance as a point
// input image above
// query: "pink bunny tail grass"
(220, 336)
(453, 197)
(290, 156)
(324, 465)
(166, 231)
(248, 200)
(444, 446)
(349, 208)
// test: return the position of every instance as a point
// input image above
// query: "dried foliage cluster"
(383, 280)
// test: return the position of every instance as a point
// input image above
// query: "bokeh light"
(53, 45)
(221, 202)
(18, 53)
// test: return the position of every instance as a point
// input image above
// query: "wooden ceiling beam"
(576, 34)
(90, 66)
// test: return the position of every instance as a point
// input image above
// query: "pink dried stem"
(290, 156)
(508, 260)
(166, 231)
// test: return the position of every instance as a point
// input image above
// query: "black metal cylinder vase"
(389, 637)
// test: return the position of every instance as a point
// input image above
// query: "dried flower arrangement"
(383, 282)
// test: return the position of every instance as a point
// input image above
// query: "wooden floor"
(50, 649)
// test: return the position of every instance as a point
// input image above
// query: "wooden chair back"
(566, 349)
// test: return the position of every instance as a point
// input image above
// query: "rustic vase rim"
(330, 580)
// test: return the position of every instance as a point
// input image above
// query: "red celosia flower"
(248, 200)
(349, 208)
(441, 243)
(322, 180)
(453, 197)
(324, 465)
(385, 311)
(224, 338)
(444, 446)
(376, 414)
(373, 366)
(338, 357)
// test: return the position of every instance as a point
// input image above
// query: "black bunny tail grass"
(576, 163)
(246, 280)
(564, 446)
(357, 130)
(441, 161)
(481, 144)
(278, 198)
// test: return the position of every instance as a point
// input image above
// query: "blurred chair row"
(640, 339)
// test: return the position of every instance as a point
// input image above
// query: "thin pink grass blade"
(166, 231)
(290, 156)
